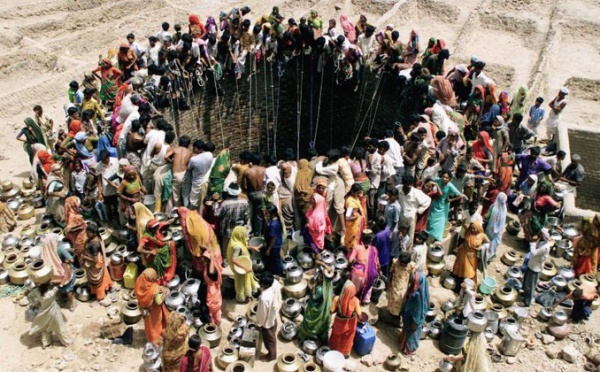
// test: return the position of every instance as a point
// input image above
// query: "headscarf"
(198, 233)
(504, 107)
(304, 179)
(413, 42)
(489, 116)
(60, 274)
(478, 148)
(72, 216)
(492, 96)
(516, 107)
(347, 300)
(146, 287)
(440, 45)
(38, 135)
(497, 219)
(211, 24)
(75, 127)
(142, 217)
(481, 90)
(175, 341)
(43, 162)
(239, 237)
(443, 91)
(104, 144)
(80, 145)
(194, 19)
(472, 238)
(348, 27)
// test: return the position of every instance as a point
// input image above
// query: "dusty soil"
(45, 44)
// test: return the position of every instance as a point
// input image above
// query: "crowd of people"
(450, 163)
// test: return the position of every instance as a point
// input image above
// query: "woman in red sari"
(156, 253)
(346, 308)
(489, 198)
(431, 189)
(110, 78)
(150, 297)
(75, 227)
(483, 153)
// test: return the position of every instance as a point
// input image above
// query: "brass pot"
(27, 193)
(548, 271)
(26, 212)
(80, 277)
(596, 303)
(211, 333)
(27, 184)
(40, 272)
(588, 279)
(252, 311)
(288, 362)
(392, 362)
(480, 303)
(7, 185)
(435, 268)
(310, 367)
(297, 290)
(510, 257)
(29, 231)
(239, 366)
(500, 310)
(131, 312)
(7, 195)
(573, 284)
(18, 273)
(506, 295)
(9, 260)
(226, 356)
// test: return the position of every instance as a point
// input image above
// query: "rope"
(279, 74)
(250, 113)
(266, 104)
(219, 108)
(310, 116)
(363, 89)
(299, 105)
(274, 118)
(368, 110)
(319, 108)
(376, 108)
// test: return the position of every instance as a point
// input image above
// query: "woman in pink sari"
(318, 224)
(365, 267)
(349, 29)
(197, 358)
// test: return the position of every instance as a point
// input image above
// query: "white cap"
(564, 90)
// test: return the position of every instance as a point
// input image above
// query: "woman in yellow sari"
(465, 266)
(237, 248)
(355, 217)
(142, 217)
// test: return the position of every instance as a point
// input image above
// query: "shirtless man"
(134, 144)
(179, 157)
(253, 183)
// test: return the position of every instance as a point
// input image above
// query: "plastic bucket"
(150, 202)
(488, 285)
(333, 361)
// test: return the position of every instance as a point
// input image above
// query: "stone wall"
(261, 113)
(586, 143)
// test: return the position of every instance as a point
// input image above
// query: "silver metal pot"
(287, 261)
(174, 300)
(190, 287)
(560, 317)
(310, 345)
(436, 253)
(294, 274)
(560, 283)
(291, 308)
(477, 321)
(289, 330)
(449, 283)
(305, 260)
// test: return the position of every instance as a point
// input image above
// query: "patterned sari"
(413, 313)
(219, 172)
(355, 227)
(165, 261)
(75, 224)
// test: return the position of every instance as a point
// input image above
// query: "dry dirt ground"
(46, 43)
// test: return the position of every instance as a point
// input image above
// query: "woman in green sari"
(219, 172)
(29, 135)
(317, 315)
(109, 80)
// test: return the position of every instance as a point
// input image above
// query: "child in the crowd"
(431, 170)
(78, 178)
(420, 251)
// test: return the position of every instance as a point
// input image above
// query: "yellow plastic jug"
(130, 276)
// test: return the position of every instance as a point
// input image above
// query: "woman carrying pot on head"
(346, 308)
(238, 248)
(197, 358)
(413, 312)
(62, 267)
(466, 264)
(94, 261)
(150, 297)
(317, 316)
(49, 320)
(157, 253)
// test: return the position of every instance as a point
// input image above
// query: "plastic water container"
(298, 239)
(364, 339)
(130, 276)
(488, 285)
(333, 361)
(150, 202)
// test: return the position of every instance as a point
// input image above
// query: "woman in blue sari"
(104, 144)
(440, 206)
(413, 312)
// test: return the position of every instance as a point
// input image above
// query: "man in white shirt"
(366, 43)
(413, 202)
(199, 166)
(154, 48)
(538, 254)
(396, 154)
(387, 167)
(106, 168)
(269, 304)
(139, 50)
(165, 32)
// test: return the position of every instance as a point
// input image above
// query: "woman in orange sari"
(585, 255)
(346, 308)
(150, 297)
(465, 266)
(355, 217)
(75, 227)
(94, 259)
(212, 274)
(505, 170)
